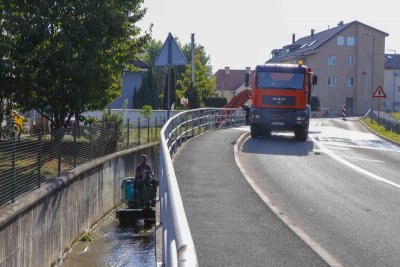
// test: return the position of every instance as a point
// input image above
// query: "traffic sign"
(170, 54)
(379, 93)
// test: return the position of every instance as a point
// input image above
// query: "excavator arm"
(235, 102)
(239, 99)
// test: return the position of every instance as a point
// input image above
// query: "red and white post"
(344, 112)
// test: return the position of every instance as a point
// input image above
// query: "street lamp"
(372, 63)
(394, 75)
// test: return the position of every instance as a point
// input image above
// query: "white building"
(392, 82)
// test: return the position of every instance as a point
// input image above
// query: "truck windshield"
(281, 80)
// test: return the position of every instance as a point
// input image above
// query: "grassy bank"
(395, 115)
(381, 130)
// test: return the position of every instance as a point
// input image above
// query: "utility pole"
(169, 39)
(193, 47)
(394, 75)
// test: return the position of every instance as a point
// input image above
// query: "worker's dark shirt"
(143, 167)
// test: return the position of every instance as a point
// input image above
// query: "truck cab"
(281, 99)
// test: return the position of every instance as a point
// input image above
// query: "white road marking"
(331, 132)
(285, 219)
(373, 160)
(344, 146)
(334, 136)
(242, 128)
(338, 147)
(351, 165)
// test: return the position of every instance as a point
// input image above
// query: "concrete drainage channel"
(114, 245)
(49, 219)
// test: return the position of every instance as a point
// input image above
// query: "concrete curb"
(378, 134)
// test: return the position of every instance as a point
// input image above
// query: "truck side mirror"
(246, 79)
(314, 79)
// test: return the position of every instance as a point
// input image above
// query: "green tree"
(148, 91)
(182, 73)
(147, 111)
(67, 56)
(153, 88)
(135, 98)
(193, 97)
(201, 54)
(6, 91)
(152, 50)
(204, 84)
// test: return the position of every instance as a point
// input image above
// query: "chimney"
(340, 23)
(312, 32)
(293, 38)
(248, 69)
(227, 70)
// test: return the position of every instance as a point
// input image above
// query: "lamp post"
(394, 75)
(372, 63)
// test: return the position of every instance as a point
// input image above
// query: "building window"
(351, 41)
(351, 61)
(340, 40)
(349, 81)
(331, 60)
(332, 81)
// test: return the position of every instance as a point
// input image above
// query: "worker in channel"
(142, 186)
(143, 166)
(246, 108)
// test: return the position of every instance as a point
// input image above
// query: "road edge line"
(329, 259)
(369, 129)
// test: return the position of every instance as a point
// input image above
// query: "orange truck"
(281, 99)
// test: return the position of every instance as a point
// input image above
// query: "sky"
(242, 34)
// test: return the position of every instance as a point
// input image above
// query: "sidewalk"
(230, 224)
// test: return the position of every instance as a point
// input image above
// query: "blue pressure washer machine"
(140, 197)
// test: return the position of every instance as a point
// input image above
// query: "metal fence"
(383, 118)
(177, 246)
(30, 160)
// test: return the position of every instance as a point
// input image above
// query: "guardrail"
(177, 245)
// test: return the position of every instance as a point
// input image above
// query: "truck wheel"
(301, 134)
(255, 132)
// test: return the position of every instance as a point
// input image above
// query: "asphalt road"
(230, 224)
(341, 187)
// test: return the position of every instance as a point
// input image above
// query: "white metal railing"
(177, 243)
